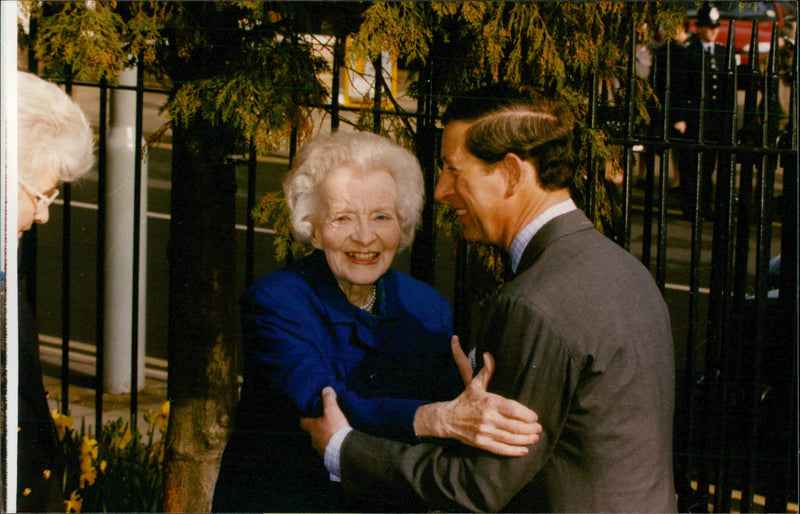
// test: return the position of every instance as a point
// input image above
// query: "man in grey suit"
(581, 335)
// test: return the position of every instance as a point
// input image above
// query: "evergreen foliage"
(251, 70)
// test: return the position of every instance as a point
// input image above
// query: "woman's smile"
(363, 257)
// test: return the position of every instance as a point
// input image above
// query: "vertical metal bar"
(292, 144)
(661, 248)
(66, 245)
(748, 137)
(249, 251)
(784, 476)
(591, 179)
(661, 229)
(684, 412)
(137, 199)
(630, 95)
(33, 32)
(338, 60)
(720, 287)
(100, 257)
(751, 133)
(422, 252)
(378, 99)
(648, 153)
(763, 242)
(694, 285)
(292, 152)
(461, 321)
(647, 215)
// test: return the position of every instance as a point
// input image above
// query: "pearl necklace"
(370, 301)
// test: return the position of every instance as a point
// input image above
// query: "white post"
(121, 156)
(8, 252)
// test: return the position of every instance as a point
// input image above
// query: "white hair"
(55, 140)
(363, 152)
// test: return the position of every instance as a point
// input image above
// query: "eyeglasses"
(47, 199)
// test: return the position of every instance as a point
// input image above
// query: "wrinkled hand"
(462, 361)
(322, 429)
(481, 419)
(680, 126)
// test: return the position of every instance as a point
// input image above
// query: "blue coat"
(300, 335)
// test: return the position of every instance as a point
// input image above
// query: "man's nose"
(444, 186)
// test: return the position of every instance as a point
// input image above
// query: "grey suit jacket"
(581, 336)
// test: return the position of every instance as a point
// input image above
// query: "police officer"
(703, 50)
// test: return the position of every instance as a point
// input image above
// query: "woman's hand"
(479, 418)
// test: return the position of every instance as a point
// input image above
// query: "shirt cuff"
(472, 360)
(333, 452)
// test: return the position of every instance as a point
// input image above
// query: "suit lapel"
(558, 227)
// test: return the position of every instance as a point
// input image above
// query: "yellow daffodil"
(89, 447)
(161, 419)
(157, 451)
(103, 465)
(61, 422)
(124, 438)
(88, 471)
(74, 503)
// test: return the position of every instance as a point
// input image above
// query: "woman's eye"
(383, 217)
(340, 219)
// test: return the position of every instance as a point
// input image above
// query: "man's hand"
(322, 429)
(481, 419)
(462, 361)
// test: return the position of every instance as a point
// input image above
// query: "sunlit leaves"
(85, 39)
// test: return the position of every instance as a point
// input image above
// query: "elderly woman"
(342, 318)
(56, 144)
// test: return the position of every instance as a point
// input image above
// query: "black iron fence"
(736, 415)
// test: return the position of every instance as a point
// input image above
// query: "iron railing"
(736, 415)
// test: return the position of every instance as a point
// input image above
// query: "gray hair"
(363, 152)
(55, 139)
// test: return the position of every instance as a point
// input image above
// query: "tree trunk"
(203, 324)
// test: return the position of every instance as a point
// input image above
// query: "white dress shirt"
(526, 234)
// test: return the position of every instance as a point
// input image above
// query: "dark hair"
(512, 118)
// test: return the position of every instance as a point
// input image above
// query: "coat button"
(46, 474)
(374, 381)
(27, 491)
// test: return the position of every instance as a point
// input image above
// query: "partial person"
(581, 335)
(342, 317)
(658, 79)
(702, 57)
(56, 144)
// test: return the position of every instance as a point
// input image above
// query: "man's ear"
(516, 170)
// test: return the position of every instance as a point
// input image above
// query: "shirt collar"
(526, 234)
